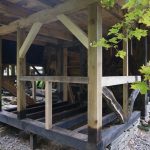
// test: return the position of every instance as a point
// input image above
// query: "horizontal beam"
(106, 120)
(47, 15)
(61, 79)
(113, 132)
(29, 39)
(106, 81)
(74, 29)
(118, 80)
(58, 134)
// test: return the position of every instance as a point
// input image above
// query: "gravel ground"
(13, 139)
(141, 141)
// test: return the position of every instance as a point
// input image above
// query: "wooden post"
(34, 90)
(125, 86)
(94, 75)
(7, 69)
(144, 112)
(13, 70)
(65, 85)
(21, 71)
(1, 74)
(33, 141)
(48, 105)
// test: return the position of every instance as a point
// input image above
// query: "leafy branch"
(134, 24)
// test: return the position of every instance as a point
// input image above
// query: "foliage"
(138, 12)
(135, 24)
(142, 86)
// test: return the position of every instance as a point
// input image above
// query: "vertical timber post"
(144, 113)
(13, 70)
(1, 74)
(125, 73)
(21, 71)
(34, 90)
(95, 76)
(33, 141)
(65, 85)
(48, 105)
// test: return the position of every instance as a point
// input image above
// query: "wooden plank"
(118, 80)
(74, 29)
(1, 74)
(110, 134)
(61, 115)
(106, 81)
(46, 16)
(13, 70)
(65, 72)
(95, 75)
(63, 136)
(125, 86)
(34, 90)
(61, 79)
(73, 121)
(106, 120)
(29, 39)
(21, 70)
(48, 105)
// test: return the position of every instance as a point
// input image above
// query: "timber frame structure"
(89, 133)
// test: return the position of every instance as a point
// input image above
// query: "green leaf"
(108, 3)
(115, 29)
(102, 42)
(145, 70)
(146, 18)
(142, 86)
(130, 4)
(138, 33)
(114, 40)
(144, 2)
(121, 54)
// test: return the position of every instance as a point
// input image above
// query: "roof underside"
(55, 32)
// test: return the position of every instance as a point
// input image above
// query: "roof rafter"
(46, 16)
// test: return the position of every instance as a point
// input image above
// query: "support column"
(33, 141)
(34, 90)
(125, 86)
(13, 70)
(94, 75)
(1, 74)
(145, 99)
(65, 85)
(21, 71)
(48, 105)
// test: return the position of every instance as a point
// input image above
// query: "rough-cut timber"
(94, 75)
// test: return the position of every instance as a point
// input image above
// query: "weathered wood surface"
(48, 105)
(46, 16)
(94, 74)
(1, 74)
(74, 29)
(126, 73)
(29, 39)
(57, 134)
(8, 84)
(106, 81)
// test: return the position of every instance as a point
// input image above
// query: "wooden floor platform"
(69, 124)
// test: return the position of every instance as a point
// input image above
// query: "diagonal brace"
(29, 39)
(74, 29)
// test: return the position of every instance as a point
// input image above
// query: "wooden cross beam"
(29, 39)
(46, 16)
(74, 29)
